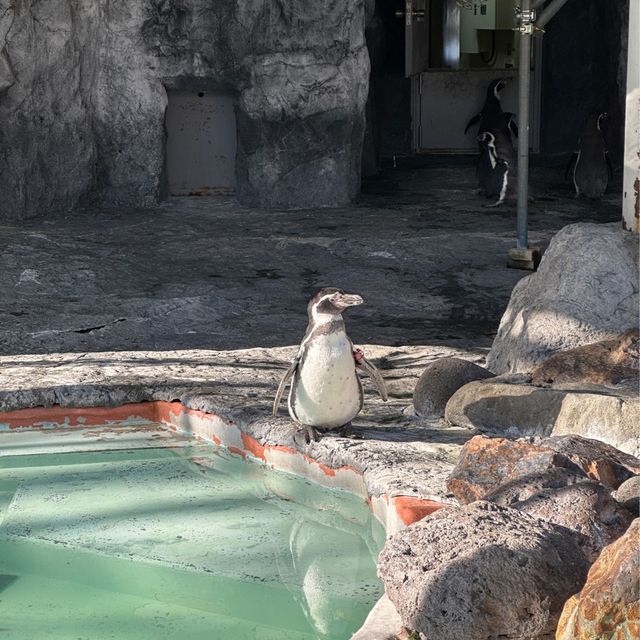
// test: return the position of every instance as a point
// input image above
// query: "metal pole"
(631, 182)
(547, 13)
(524, 83)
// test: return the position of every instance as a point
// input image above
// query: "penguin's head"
(497, 86)
(331, 301)
(600, 118)
(486, 137)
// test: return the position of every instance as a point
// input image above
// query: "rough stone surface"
(585, 290)
(489, 464)
(512, 407)
(299, 71)
(481, 572)
(206, 273)
(628, 494)
(440, 380)
(609, 604)
(597, 459)
(586, 507)
(608, 362)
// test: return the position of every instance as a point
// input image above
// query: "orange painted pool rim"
(409, 509)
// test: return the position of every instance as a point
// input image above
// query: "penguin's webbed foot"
(307, 433)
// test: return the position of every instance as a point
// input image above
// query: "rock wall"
(585, 290)
(83, 96)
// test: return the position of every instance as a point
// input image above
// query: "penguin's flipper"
(283, 384)
(570, 165)
(513, 127)
(374, 374)
(473, 121)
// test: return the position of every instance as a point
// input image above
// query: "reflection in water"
(195, 536)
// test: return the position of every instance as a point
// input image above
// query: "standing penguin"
(491, 112)
(497, 165)
(592, 169)
(493, 172)
(326, 392)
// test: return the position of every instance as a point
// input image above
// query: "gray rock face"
(83, 93)
(585, 507)
(585, 290)
(598, 460)
(498, 406)
(482, 572)
(628, 494)
(440, 380)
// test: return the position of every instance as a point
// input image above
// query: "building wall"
(83, 97)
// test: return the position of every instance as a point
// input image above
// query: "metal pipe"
(549, 11)
(536, 3)
(524, 83)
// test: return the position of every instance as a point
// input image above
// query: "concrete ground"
(206, 273)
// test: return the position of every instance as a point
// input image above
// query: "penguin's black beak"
(344, 300)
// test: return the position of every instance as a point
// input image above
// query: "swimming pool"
(141, 532)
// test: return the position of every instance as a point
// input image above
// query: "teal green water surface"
(183, 543)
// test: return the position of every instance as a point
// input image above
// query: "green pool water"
(181, 541)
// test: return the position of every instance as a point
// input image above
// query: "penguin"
(492, 110)
(497, 164)
(326, 392)
(493, 172)
(591, 165)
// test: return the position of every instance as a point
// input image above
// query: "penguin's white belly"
(326, 390)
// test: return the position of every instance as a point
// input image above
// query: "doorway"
(201, 143)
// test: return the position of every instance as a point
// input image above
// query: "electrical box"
(477, 17)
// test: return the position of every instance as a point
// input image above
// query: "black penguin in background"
(591, 164)
(491, 112)
(493, 172)
(497, 165)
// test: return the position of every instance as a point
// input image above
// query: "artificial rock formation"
(485, 464)
(83, 93)
(440, 380)
(585, 290)
(607, 362)
(513, 407)
(488, 463)
(482, 572)
(628, 494)
(608, 607)
(585, 507)
(545, 483)
(598, 460)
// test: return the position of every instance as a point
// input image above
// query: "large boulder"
(502, 406)
(607, 362)
(488, 463)
(608, 606)
(440, 380)
(585, 507)
(598, 460)
(628, 494)
(585, 290)
(482, 572)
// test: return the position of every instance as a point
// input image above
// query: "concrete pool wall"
(393, 511)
